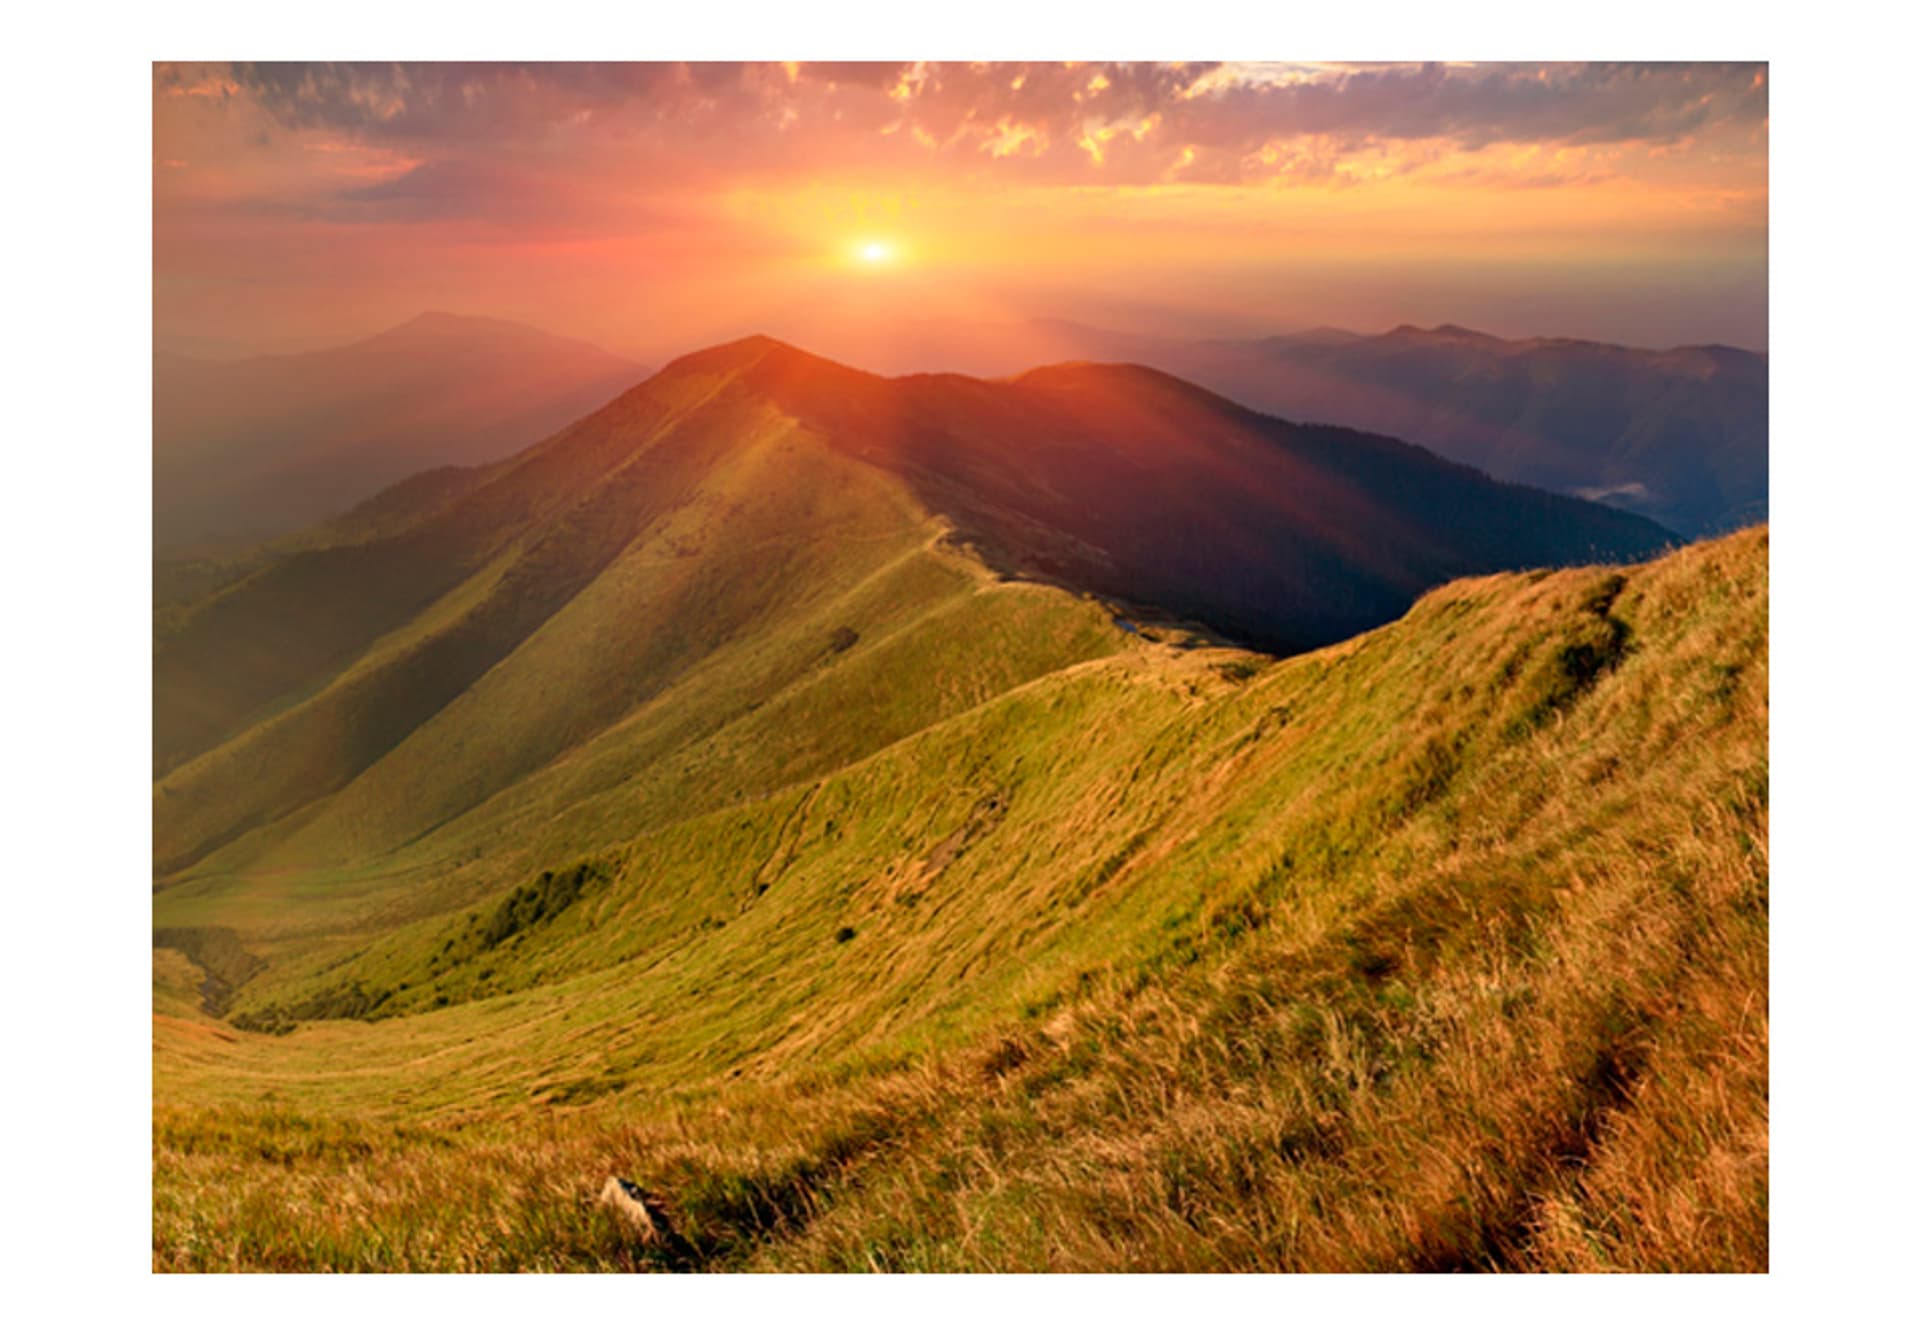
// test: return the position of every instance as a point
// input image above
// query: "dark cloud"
(864, 73)
(1113, 123)
(1224, 121)
(530, 201)
(457, 188)
(1474, 107)
(455, 101)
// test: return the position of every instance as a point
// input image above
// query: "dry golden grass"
(1442, 949)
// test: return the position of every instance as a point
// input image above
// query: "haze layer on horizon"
(655, 208)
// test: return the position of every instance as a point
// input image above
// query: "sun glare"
(874, 252)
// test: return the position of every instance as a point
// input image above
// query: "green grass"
(1441, 948)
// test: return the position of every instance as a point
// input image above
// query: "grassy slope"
(1444, 947)
(369, 684)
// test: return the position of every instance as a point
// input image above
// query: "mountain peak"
(1454, 332)
(442, 322)
(742, 351)
(1322, 334)
(1064, 373)
(260, 446)
(771, 364)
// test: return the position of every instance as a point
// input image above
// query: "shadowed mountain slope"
(255, 448)
(1126, 481)
(1679, 434)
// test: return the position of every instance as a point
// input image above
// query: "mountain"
(256, 448)
(1441, 948)
(825, 800)
(1678, 435)
(1118, 481)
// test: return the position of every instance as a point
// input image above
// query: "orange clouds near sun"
(652, 207)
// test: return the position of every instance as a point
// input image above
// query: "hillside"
(254, 448)
(1676, 434)
(454, 656)
(1442, 947)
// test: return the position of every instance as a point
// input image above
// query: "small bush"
(544, 898)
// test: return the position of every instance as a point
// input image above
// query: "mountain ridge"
(1439, 948)
(258, 447)
(1125, 484)
(1680, 433)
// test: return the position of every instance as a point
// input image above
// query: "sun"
(873, 252)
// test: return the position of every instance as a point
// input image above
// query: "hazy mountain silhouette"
(254, 448)
(1679, 435)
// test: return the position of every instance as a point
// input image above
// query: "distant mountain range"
(1679, 435)
(251, 449)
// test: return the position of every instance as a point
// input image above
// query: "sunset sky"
(659, 208)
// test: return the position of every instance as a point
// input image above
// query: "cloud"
(458, 188)
(1620, 491)
(529, 201)
(861, 73)
(680, 126)
(454, 102)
